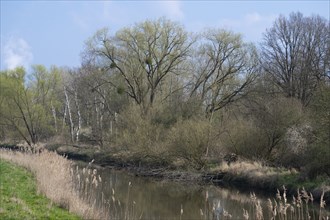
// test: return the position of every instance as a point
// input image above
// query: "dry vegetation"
(72, 189)
(54, 179)
(254, 171)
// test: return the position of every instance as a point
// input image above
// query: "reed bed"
(88, 181)
(54, 179)
(71, 187)
(279, 208)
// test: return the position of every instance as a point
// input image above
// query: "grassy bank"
(54, 179)
(19, 198)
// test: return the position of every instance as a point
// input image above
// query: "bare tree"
(296, 54)
(143, 55)
(225, 67)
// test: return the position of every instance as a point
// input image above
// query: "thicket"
(158, 94)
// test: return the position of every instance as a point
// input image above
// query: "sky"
(54, 32)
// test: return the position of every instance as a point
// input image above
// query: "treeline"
(156, 93)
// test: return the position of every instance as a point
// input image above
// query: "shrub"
(294, 150)
(188, 140)
(259, 133)
(319, 151)
(140, 137)
(244, 138)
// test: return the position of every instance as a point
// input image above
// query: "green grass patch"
(19, 198)
(293, 181)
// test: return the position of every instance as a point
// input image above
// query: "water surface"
(121, 195)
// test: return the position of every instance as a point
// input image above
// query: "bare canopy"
(296, 54)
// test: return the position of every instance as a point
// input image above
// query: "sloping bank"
(54, 179)
(248, 176)
(19, 198)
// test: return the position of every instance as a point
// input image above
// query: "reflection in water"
(119, 195)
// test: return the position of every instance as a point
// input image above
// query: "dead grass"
(54, 179)
(253, 171)
(256, 173)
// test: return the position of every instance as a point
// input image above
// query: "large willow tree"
(224, 68)
(144, 55)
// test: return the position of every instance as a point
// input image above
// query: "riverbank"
(53, 178)
(246, 175)
(19, 198)
(53, 170)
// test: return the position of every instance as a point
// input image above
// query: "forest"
(155, 93)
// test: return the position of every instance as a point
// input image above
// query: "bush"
(140, 137)
(259, 133)
(319, 150)
(318, 161)
(153, 139)
(244, 138)
(188, 140)
(294, 150)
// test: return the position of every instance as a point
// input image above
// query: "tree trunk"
(67, 101)
(79, 115)
(54, 116)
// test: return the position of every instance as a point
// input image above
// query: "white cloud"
(248, 20)
(258, 19)
(251, 24)
(116, 13)
(17, 52)
(253, 18)
(171, 9)
(80, 21)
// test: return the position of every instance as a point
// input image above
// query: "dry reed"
(281, 209)
(54, 179)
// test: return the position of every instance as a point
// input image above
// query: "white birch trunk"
(54, 116)
(79, 115)
(64, 117)
(69, 113)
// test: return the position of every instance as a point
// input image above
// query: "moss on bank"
(19, 198)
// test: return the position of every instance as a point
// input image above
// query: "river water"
(120, 195)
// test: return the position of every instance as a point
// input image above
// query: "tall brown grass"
(72, 187)
(54, 179)
(300, 206)
(280, 208)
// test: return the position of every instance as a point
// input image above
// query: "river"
(120, 195)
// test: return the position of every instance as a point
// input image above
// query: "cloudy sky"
(54, 32)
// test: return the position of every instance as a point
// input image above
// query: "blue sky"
(54, 32)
